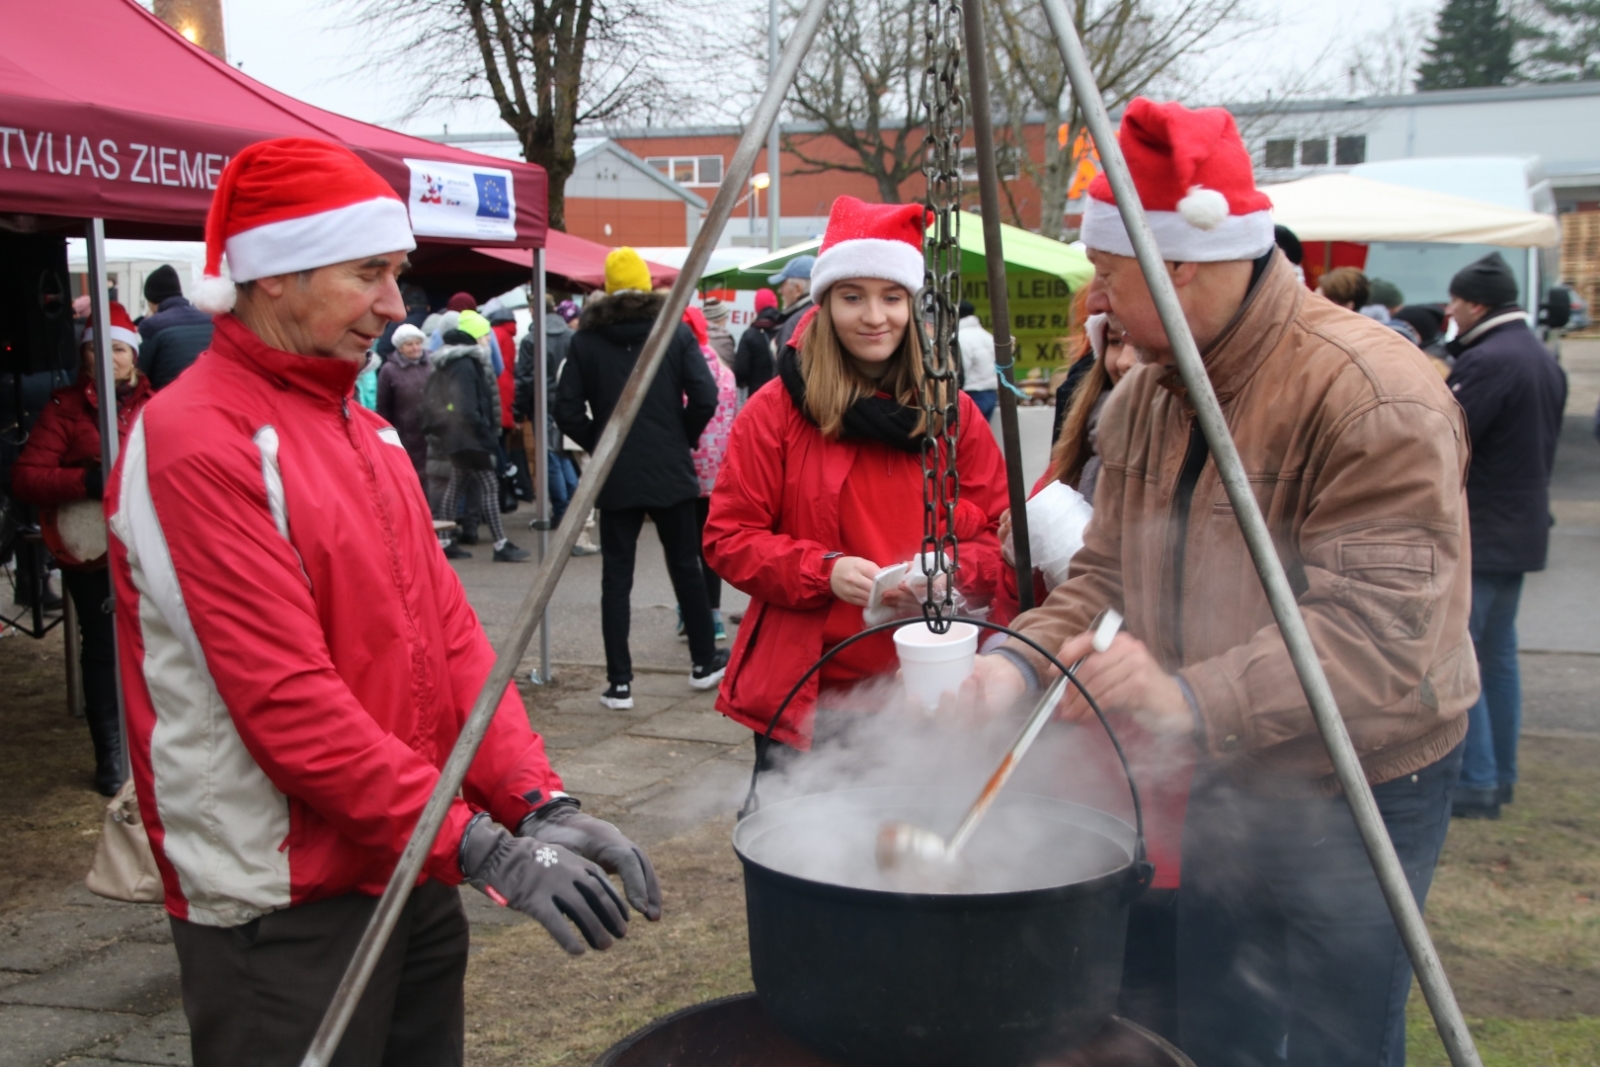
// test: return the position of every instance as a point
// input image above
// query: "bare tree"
(1385, 62)
(548, 65)
(862, 85)
(1133, 47)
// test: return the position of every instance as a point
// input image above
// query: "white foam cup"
(934, 664)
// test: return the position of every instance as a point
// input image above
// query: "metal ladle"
(900, 841)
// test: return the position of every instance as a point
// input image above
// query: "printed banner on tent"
(457, 200)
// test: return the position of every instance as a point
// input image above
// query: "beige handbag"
(124, 867)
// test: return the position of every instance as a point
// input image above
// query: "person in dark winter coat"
(174, 333)
(753, 362)
(563, 476)
(60, 466)
(1513, 392)
(401, 383)
(462, 409)
(654, 473)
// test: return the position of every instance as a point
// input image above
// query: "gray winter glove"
(561, 823)
(545, 882)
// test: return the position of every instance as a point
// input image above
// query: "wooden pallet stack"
(1580, 259)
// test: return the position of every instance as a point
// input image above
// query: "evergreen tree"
(1567, 41)
(1470, 47)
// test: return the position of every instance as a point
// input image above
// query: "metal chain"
(937, 306)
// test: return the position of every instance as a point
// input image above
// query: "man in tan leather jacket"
(1357, 454)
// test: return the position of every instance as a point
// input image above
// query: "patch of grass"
(50, 812)
(530, 1005)
(1508, 1042)
(1514, 913)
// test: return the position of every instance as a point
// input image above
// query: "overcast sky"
(298, 47)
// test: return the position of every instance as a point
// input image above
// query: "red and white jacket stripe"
(296, 655)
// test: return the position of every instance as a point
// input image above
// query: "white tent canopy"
(1343, 207)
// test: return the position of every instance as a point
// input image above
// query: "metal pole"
(774, 163)
(105, 385)
(541, 438)
(999, 304)
(356, 976)
(1285, 609)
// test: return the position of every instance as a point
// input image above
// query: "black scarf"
(872, 418)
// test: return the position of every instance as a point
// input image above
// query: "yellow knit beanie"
(625, 269)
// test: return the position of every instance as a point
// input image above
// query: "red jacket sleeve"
(38, 477)
(742, 539)
(253, 615)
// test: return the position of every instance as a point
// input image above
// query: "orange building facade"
(695, 157)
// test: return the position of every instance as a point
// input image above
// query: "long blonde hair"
(1071, 451)
(833, 384)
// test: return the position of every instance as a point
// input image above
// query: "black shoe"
(706, 675)
(1508, 792)
(618, 696)
(510, 553)
(455, 551)
(1468, 803)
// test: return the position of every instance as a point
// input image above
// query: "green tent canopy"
(1023, 251)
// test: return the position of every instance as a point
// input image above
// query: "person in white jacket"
(979, 378)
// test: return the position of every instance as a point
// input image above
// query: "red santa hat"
(1197, 183)
(296, 203)
(122, 328)
(871, 241)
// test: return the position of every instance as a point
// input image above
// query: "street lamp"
(758, 182)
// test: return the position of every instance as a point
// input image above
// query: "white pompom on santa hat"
(1197, 184)
(292, 204)
(865, 240)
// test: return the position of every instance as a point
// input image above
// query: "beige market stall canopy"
(1343, 207)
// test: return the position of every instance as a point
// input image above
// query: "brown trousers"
(255, 994)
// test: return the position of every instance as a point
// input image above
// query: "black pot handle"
(1142, 871)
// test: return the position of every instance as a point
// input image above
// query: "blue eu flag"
(493, 203)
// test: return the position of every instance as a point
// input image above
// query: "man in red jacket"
(298, 658)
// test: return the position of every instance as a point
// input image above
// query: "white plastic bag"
(1057, 516)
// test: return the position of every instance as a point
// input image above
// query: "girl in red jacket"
(60, 466)
(822, 484)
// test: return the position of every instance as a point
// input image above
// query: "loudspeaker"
(35, 305)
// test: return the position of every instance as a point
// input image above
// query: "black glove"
(545, 882)
(561, 823)
(94, 483)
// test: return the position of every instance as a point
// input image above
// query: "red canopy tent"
(79, 138)
(581, 263)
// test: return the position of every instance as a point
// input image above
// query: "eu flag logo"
(493, 203)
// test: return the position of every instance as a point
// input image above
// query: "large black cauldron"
(1010, 970)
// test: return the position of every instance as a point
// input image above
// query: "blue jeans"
(1287, 954)
(986, 399)
(563, 483)
(1496, 719)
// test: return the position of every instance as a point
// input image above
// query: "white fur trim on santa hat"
(214, 296)
(367, 228)
(128, 337)
(1180, 240)
(868, 257)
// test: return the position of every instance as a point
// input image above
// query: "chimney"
(199, 21)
